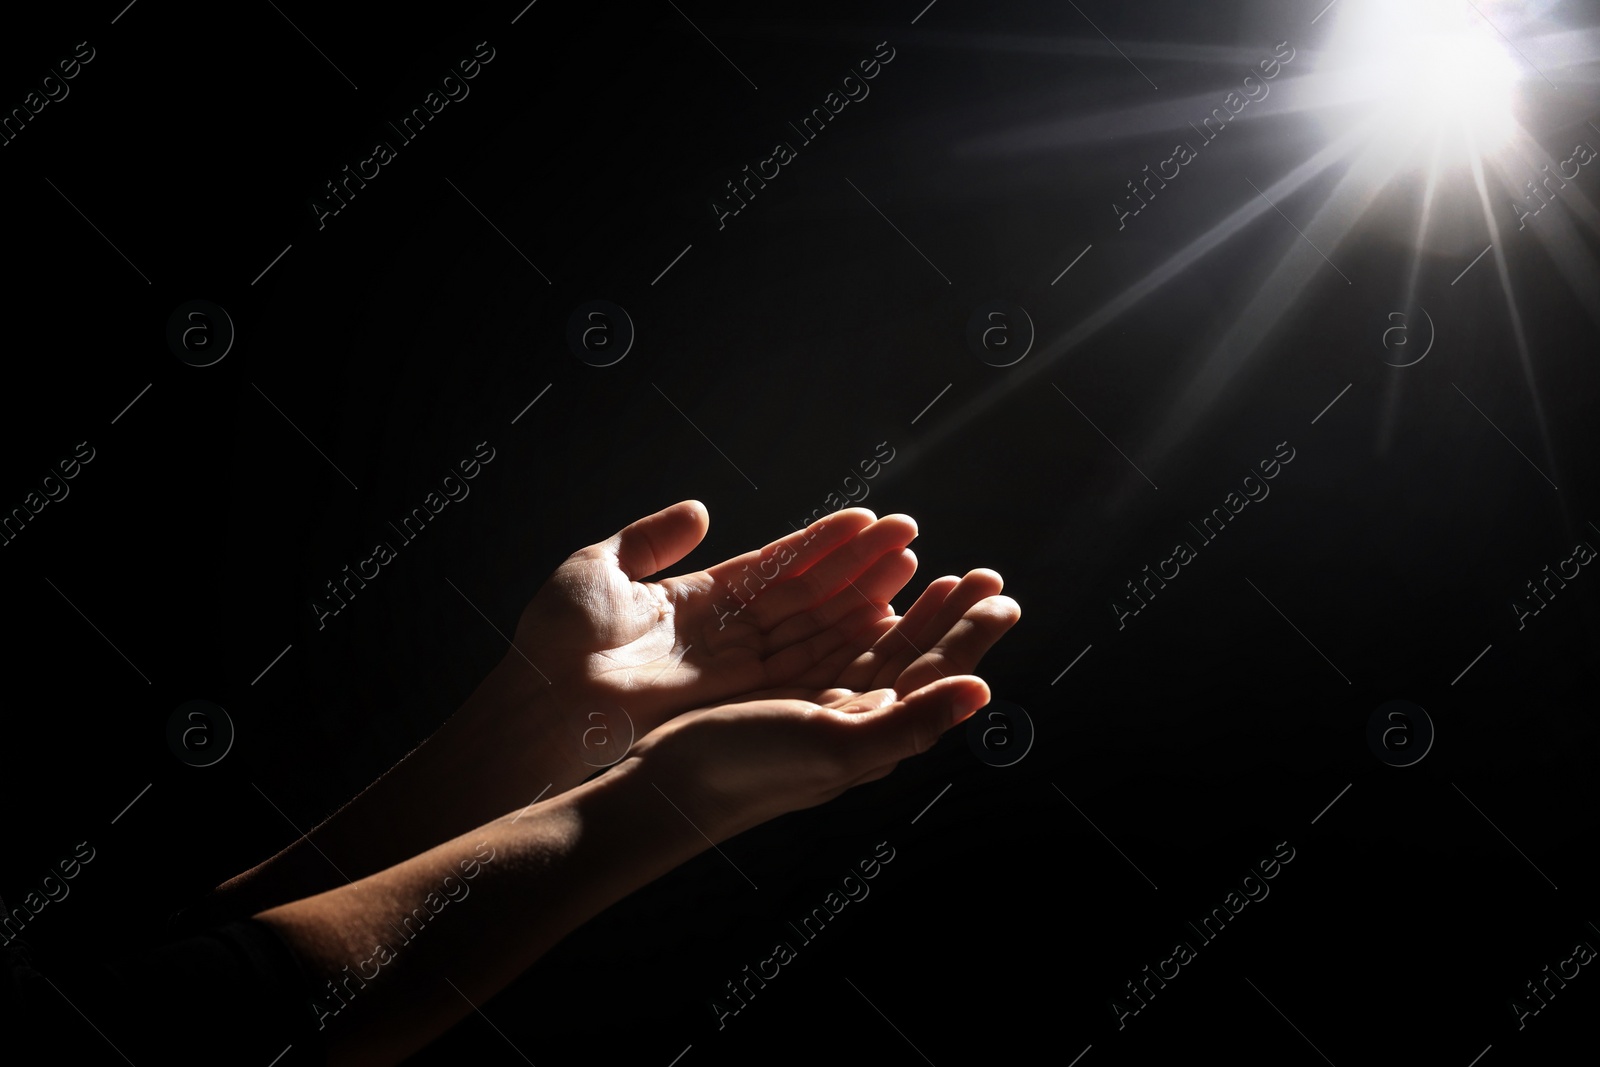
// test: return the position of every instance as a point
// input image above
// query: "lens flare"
(1461, 80)
(1432, 75)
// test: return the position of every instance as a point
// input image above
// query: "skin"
(701, 778)
(598, 638)
(813, 687)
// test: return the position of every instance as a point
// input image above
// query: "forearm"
(509, 741)
(476, 911)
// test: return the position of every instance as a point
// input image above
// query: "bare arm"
(475, 911)
(481, 763)
(602, 658)
(400, 954)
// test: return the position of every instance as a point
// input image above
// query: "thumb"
(912, 724)
(657, 541)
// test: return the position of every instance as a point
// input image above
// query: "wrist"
(668, 767)
(638, 822)
(520, 726)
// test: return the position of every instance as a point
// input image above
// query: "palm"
(737, 764)
(599, 631)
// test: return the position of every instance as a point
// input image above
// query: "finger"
(886, 577)
(963, 645)
(834, 573)
(795, 665)
(791, 554)
(929, 603)
(871, 664)
(831, 670)
(911, 724)
(881, 581)
(655, 542)
(974, 586)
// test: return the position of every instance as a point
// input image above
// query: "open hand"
(735, 766)
(603, 636)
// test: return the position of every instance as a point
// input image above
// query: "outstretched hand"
(733, 767)
(806, 617)
(601, 632)
(886, 695)
(790, 631)
(945, 633)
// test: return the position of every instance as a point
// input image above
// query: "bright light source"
(1462, 80)
(1436, 74)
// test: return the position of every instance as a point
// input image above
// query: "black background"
(797, 337)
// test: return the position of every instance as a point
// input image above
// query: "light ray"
(1524, 359)
(1050, 354)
